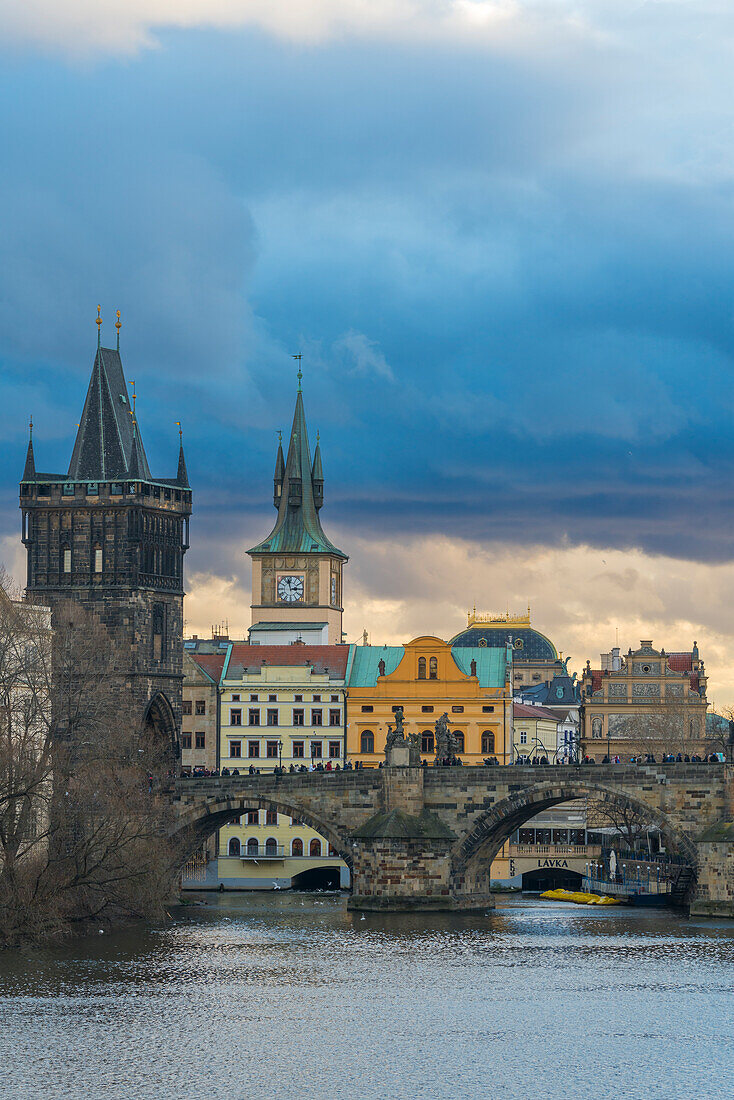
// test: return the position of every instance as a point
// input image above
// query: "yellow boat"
(579, 898)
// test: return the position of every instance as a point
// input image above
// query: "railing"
(588, 850)
(273, 851)
(626, 884)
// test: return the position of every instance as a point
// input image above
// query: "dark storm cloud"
(511, 279)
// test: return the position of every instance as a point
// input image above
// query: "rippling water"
(287, 995)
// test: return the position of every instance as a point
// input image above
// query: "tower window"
(98, 559)
(67, 561)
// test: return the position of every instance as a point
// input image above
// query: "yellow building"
(427, 679)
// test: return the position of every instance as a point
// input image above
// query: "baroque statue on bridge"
(396, 734)
(446, 743)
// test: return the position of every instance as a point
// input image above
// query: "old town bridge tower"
(112, 537)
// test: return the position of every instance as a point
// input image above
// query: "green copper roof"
(365, 666)
(492, 664)
(298, 527)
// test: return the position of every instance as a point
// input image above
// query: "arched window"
(297, 847)
(367, 741)
(234, 846)
(271, 846)
(314, 848)
(252, 846)
(421, 668)
(596, 728)
(487, 742)
(433, 669)
(459, 738)
(427, 741)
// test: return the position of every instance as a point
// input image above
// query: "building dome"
(515, 630)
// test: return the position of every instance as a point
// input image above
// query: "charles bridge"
(424, 838)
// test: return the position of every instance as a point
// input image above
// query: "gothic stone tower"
(112, 537)
(297, 571)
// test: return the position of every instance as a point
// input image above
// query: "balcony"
(586, 850)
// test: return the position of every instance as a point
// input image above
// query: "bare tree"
(81, 820)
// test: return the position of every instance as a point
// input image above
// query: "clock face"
(290, 589)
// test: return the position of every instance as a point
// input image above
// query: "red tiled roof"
(211, 663)
(520, 710)
(329, 658)
(680, 662)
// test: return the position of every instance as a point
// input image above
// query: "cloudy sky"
(500, 232)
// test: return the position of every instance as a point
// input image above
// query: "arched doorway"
(160, 731)
(551, 878)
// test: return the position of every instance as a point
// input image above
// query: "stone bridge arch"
(472, 855)
(201, 818)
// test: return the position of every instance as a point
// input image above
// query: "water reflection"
(286, 995)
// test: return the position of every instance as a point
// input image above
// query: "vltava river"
(289, 996)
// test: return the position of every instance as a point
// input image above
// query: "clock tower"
(296, 570)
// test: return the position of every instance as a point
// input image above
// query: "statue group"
(446, 745)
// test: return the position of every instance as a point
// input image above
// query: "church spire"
(30, 463)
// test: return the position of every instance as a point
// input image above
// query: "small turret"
(317, 476)
(182, 476)
(279, 473)
(293, 472)
(30, 463)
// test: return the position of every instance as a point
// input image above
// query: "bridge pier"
(402, 855)
(714, 891)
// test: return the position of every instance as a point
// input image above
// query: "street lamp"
(280, 755)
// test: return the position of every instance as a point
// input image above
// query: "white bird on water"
(275, 885)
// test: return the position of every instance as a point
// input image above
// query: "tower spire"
(299, 376)
(30, 463)
(118, 326)
(99, 326)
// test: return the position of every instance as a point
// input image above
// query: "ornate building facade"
(649, 701)
(427, 679)
(112, 537)
(296, 570)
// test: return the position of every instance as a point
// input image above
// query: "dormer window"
(68, 490)
(92, 489)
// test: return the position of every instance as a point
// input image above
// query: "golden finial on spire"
(30, 427)
(318, 437)
(118, 326)
(131, 382)
(99, 325)
(300, 373)
(180, 430)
